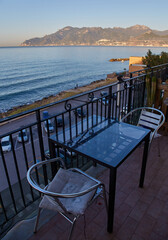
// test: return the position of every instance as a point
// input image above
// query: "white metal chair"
(69, 192)
(146, 117)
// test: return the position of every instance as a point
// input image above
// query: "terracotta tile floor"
(140, 214)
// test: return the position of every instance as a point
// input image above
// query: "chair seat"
(68, 182)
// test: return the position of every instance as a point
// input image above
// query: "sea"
(28, 74)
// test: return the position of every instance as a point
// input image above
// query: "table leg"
(144, 161)
(111, 203)
(52, 149)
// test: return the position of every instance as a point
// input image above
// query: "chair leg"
(71, 231)
(105, 199)
(158, 147)
(37, 220)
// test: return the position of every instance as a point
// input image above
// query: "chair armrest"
(44, 191)
(32, 182)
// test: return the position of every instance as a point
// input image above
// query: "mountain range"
(137, 35)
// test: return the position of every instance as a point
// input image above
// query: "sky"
(24, 19)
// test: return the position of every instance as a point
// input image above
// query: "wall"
(135, 64)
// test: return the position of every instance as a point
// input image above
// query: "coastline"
(59, 96)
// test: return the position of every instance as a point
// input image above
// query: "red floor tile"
(140, 214)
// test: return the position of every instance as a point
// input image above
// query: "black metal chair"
(69, 192)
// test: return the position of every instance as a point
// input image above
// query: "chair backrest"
(150, 118)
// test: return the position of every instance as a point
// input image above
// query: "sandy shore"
(59, 96)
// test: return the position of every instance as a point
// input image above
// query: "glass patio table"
(108, 143)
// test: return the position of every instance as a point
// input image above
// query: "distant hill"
(138, 35)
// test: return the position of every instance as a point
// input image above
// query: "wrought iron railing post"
(143, 94)
(40, 134)
(41, 144)
(163, 75)
(109, 102)
(151, 73)
(8, 179)
(166, 72)
(130, 94)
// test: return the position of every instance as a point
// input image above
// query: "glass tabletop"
(109, 142)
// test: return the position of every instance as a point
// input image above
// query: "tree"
(164, 57)
(151, 60)
(155, 59)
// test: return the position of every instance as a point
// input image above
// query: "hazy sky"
(25, 19)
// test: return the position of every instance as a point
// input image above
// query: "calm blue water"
(28, 74)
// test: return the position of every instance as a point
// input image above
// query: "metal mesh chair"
(146, 117)
(69, 193)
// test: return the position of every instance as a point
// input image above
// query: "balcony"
(139, 213)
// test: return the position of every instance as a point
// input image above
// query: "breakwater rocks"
(118, 59)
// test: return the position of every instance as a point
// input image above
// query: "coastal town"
(137, 35)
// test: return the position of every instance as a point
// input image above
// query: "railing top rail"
(149, 68)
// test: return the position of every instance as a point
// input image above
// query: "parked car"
(124, 110)
(50, 126)
(104, 101)
(59, 119)
(68, 153)
(79, 112)
(104, 94)
(61, 154)
(25, 136)
(6, 144)
(93, 99)
(59, 122)
(45, 115)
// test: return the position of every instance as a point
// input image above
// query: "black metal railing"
(27, 134)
